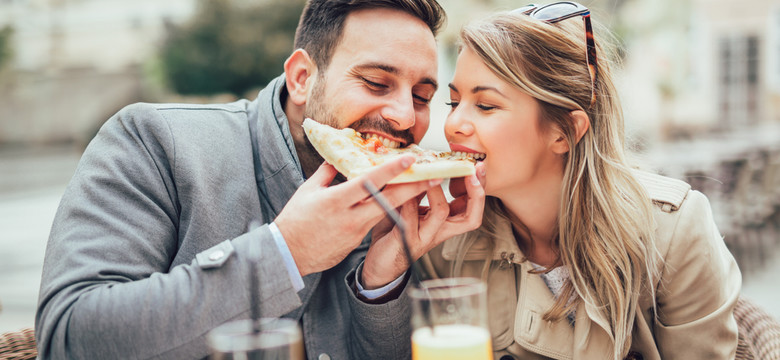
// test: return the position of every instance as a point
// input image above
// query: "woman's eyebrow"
(477, 89)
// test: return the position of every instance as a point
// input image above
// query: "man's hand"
(427, 227)
(322, 224)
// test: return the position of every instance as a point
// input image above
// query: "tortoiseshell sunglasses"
(555, 12)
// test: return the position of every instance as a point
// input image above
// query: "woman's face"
(492, 117)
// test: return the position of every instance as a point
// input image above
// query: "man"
(152, 244)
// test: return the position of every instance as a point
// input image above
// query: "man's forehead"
(389, 40)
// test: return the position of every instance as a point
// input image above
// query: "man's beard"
(316, 106)
(317, 109)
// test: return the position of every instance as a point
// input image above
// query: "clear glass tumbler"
(449, 320)
(278, 339)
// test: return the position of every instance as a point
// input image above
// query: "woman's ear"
(581, 123)
(300, 71)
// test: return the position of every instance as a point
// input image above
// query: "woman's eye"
(452, 104)
(485, 107)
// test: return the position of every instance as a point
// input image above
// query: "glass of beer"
(271, 339)
(449, 320)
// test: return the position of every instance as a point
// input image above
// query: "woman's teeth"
(475, 156)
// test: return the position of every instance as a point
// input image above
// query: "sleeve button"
(216, 255)
(323, 357)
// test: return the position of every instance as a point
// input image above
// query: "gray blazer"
(149, 249)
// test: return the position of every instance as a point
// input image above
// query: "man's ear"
(581, 123)
(300, 71)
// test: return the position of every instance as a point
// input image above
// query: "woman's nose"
(457, 124)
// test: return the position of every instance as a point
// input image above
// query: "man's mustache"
(380, 125)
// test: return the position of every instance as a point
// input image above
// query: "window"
(739, 88)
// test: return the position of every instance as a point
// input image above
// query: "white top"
(555, 279)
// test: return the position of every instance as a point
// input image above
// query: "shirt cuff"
(376, 293)
(289, 262)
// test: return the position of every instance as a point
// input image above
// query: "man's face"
(380, 79)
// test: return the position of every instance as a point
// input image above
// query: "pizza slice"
(352, 155)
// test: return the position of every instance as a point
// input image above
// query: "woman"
(584, 257)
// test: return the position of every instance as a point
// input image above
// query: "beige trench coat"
(695, 294)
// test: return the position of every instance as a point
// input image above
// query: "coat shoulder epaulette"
(665, 192)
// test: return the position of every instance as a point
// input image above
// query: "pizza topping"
(354, 154)
(373, 144)
(383, 140)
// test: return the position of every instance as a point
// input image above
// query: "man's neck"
(309, 159)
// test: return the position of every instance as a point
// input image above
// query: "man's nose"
(400, 111)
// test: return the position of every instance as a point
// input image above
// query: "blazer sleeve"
(381, 330)
(699, 286)
(108, 290)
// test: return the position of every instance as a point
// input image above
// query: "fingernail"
(434, 182)
(474, 180)
(407, 162)
(482, 171)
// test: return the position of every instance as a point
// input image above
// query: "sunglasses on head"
(559, 11)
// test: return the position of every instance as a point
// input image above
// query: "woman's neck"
(537, 206)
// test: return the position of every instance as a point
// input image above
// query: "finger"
(438, 203)
(398, 194)
(384, 226)
(434, 220)
(322, 177)
(481, 173)
(353, 190)
(462, 221)
(476, 203)
(394, 195)
(458, 205)
(474, 195)
(457, 187)
(409, 215)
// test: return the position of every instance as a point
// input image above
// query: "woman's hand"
(427, 227)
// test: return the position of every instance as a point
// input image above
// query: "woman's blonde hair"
(605, 222)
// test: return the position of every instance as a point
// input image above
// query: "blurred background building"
(699, 80)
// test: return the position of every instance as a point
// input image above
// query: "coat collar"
(281, 170)
(591, 336)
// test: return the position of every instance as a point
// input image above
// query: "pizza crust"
(347, 152)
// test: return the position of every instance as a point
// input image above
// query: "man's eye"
(374, 85)
(422, 100)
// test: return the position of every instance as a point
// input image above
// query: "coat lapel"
(281, 170)
(589, 338)
(551, 339)
(592, 336)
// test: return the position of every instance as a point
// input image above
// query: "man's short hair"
(322, 22)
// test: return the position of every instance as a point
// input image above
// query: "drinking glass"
(277, 339)
(449, 320)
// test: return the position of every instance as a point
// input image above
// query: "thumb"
(481, 173)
